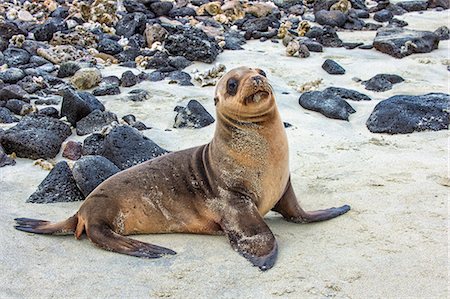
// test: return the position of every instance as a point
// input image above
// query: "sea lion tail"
(46, 227)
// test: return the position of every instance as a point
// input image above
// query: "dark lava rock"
(129, 79)
(19, 107)
(95, 121)
(6, 116)
(91, 171)
(258, 24)
(50, 112)
(179, 62)
(398, 23)
(182, 12)
(192, 44)
(126, 146)
(110, 80)
(326, 36)
(323, 5)
(109, 46)
(181, 78)
(351, 46)
(136, 41)
(128, 55)
(194, 115)
(382, 82)
(72, 150)
(68, 69)
(332, 67)
(135, 6)
(5, 159)
(361, 13)
(399, 42)
(12, 75)
(443, 33)
(44, 32)
(445, 4)
(233, 40)
(413, 5)
(334, 18)
(156, 76)
(60, 12)
(16, 57)
(346, 94)
(313, 46)
(287, 125)
(93, 145)
(138, 95)
(402, 114)
(131, 24)
(161, 8)
(329, 105)
(383, 15)
(76, 105)
(58, 186)
(36, 136)
(13, 91)
(29, 85)
(106, 90)
(354, 23)
(9, 29)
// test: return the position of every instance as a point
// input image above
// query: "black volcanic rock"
(331, 106)
(194, 115)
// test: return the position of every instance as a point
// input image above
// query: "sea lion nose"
(257, 80)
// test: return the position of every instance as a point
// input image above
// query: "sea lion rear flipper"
(290, 209)
(249, 235)
(104, 237)
(46, 227)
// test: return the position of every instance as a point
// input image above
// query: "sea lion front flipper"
(290, 209)
(104, 237)
(249, 234)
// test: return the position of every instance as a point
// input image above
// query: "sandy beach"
(392, 244)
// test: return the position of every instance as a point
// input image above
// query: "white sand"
(393, 243)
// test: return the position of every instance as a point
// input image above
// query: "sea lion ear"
(216, 100)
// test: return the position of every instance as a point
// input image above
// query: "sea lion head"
(244, 93)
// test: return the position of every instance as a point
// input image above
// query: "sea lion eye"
(232, 86)
(262, 73)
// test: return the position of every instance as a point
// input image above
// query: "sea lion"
(225, 186)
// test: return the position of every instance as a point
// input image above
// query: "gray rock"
(331, 106)
(161, 8)
(138, 95)
(332, 67)
(95, 121)
(58, 186)
(93, 145)
(91, 171)
(193, 44)
(129, 79)
(106, 90)
(76, 105)
(16, 57)
(194, 116)
(13, 91)
(131, 24)
(68, 69)
(126, 147)
(19, 107)
(346, 94)
(50, 112)
(403, 114)
(6, 116)
(5, 159)
(182, 12)
(399, 42)
(382, 82)
(72, 150)
(12, 75)
(109, 46)
(384, 15)
(36, 136)
(181, 78)
(413, 5)
(333, 18)
(445, 4)
(443, 33)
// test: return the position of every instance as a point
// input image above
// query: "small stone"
(93, 145)
(193, 116)
(332, 67)
(126, 147)
(413, 5)
(129, 79)
(76, 105)
(86, 78)
(109, 46)
(72, 150)
(329, 105)
(36, 136)
(182, 12)
(91, 171)
(161, 8)
(95, 121)
(19, 107)
(138, 95)
(346, 94)
(403, 114)
(112, 80)
(50, 112)
(13, 91)
(442, 32)
(12, 75)
(382, 82)
(24, 16)
(106, 90)
(16, 57)
(5, 159)
(397, 23)
(58, 186)
(131, 24)
(6, 116)
(384, 15)
(68, 69)
(181, 78)
(333, 18)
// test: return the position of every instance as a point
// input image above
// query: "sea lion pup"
(227, 185)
